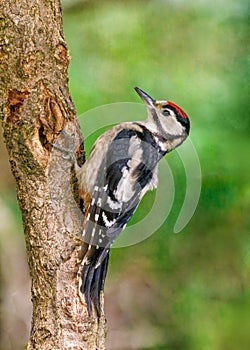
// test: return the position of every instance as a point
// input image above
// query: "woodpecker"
(121, 168)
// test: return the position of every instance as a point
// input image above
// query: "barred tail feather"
(91, 281)
(98, 284)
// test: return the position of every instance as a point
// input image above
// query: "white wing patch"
(126, 186)
(113, 205)
(106, 220)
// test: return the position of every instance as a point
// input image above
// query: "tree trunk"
(35, 108)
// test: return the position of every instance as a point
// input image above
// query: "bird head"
(165, 117)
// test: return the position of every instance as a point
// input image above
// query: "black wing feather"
(106, 221)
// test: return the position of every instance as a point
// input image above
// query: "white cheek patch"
(171, 126)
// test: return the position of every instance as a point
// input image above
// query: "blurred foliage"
(192, 289)
(188, 291)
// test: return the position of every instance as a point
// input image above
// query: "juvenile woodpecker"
(121, 168)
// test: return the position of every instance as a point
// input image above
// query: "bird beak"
(149, 101)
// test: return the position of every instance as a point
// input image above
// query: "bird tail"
(91, 275)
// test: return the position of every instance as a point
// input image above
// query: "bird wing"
(125, 174)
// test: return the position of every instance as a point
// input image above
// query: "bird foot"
(69, 152)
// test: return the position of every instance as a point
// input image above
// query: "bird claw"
(69, 151)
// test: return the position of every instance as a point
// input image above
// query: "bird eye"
(166, 112)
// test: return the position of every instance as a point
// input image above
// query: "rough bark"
(35, 108)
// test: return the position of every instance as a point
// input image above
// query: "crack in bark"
(15, 103)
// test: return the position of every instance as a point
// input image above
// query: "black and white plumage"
(121, 168)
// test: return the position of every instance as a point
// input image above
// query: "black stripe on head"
(180, 115)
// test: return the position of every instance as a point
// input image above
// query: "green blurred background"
(186, 291)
